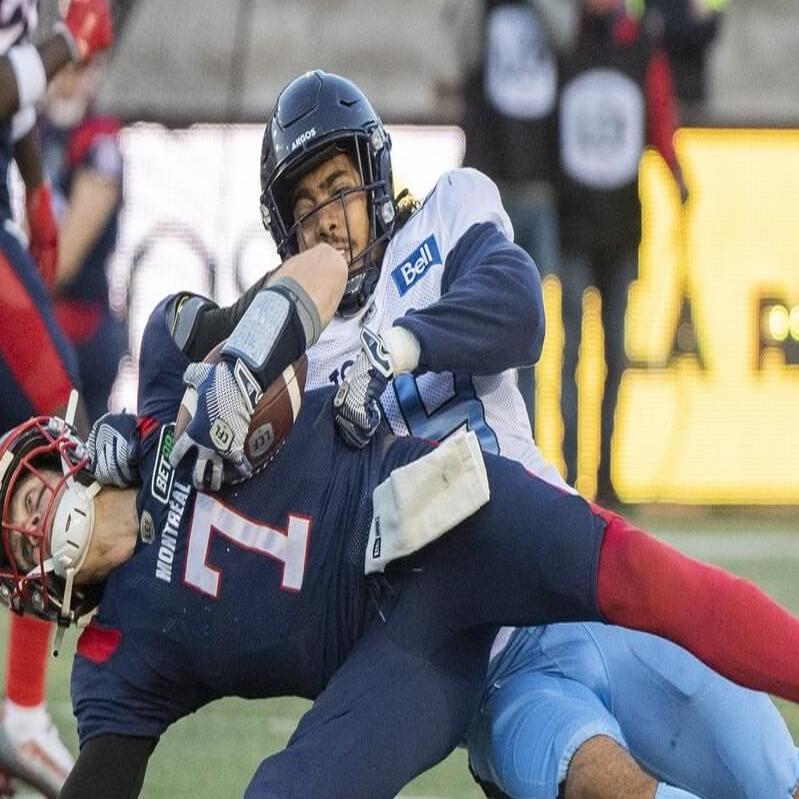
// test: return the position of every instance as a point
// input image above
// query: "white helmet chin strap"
(72, 532)
(73, 528)
(73, 524)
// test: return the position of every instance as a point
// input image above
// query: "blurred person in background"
(616, 97)
(84, 163)
(38, 367)
(687, 29)
(510, 97)
(551, 718)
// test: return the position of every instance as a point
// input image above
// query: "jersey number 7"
(211, 517)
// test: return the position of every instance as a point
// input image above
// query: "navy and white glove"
(221, 414)
(356, 405)
(114, 447)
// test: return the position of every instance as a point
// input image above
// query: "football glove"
(113, 447)
(43, 233)
(218, 428)
(87, 28)
(357, 402)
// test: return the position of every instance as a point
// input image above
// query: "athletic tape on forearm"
(403, 349)
(22, 122)
(270, 335)
(306, 308)
(28, 72)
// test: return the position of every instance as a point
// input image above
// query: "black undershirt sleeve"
(109, 767)
(216, 324)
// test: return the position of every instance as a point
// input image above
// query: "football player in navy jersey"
(37, 364)
(258, 590)
(82, 156)
(448, 306)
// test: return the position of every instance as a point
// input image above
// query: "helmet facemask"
(43, 551)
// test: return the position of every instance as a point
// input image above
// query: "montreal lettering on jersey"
(169, 533)
(415, 266)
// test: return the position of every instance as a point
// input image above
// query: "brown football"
(274, 415)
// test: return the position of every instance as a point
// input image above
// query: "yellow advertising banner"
(707, 411)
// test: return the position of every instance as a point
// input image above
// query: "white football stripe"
(290, 376)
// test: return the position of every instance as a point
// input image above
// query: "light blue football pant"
(552, 688)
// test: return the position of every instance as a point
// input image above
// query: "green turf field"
(214, 753)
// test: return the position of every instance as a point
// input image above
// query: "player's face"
(330, 204)
(29, 511)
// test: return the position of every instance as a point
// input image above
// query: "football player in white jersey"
(439, 309)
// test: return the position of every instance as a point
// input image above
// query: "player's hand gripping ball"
(228, 440)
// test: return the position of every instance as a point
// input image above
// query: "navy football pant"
(404, 698)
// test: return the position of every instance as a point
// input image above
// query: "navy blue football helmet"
(316, 115)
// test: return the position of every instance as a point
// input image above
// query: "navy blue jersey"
(92, 145)
(247, 576)
(82, 306)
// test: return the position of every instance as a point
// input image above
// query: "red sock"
(26, 668)
(725, 621)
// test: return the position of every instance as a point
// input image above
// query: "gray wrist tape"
(256, 334)
(306, 308)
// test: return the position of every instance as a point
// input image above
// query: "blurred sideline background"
(706, 438)
(713, 321)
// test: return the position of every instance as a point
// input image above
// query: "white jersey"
(435, 404)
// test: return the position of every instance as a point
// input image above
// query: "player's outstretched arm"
(109, 767)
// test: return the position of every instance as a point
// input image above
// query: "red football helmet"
(41, 553)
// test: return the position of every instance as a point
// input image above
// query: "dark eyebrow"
(326, 184)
